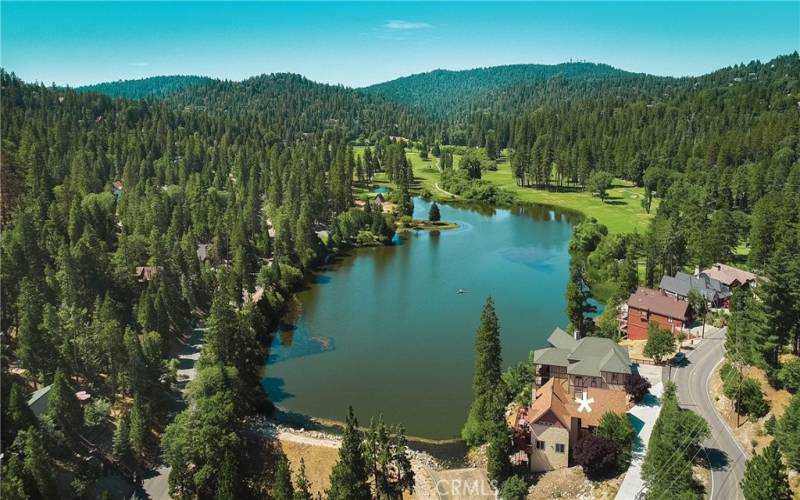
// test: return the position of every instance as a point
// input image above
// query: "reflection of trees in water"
(547, 213)
(289, 343)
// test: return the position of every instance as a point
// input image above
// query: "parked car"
(679, 359)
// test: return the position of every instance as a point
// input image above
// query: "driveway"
(726, 457)
(643, 416)
(155, 484)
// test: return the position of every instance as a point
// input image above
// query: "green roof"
(587, 357)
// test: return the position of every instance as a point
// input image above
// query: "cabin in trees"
(646, 305)
(730, 276)
(146, 273)
(716, 293)
(578, 364)
(548, 430)
(378, 200)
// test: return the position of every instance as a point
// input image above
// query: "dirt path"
(436, 185)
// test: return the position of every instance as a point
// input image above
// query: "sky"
(361, 43)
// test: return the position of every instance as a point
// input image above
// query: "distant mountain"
(156, 86)
(447, 92)
(297, 105)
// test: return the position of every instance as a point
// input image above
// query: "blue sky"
(361, 43)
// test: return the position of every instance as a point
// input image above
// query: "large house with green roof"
(578, 364)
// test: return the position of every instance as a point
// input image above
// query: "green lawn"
(621, 212)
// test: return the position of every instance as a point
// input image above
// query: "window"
(560, 448)
(539, 445)
(669, 320)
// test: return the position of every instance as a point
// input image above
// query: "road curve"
(725, 454)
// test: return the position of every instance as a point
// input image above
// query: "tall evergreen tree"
(486, 377)
(282, 488)
(765, 476)
(349, 477)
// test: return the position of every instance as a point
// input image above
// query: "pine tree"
(387, 459)
(787, 435)
(38, 464)
(486, 376)
(282, 488)
(349, 475)
(63, 409)
(302, 490)
(121, 439)
(139, 425)
(434, 215)
(765, 477)
(20, 415)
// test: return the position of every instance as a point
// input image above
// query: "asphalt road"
(727, 458)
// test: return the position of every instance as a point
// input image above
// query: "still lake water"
(384, 330)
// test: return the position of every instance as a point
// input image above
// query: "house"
(555, 422)
(203, 252)
(716, 293)
(39, 400)
(588, 362)
(378, 200)
(146, 273)
(646, 305)
(730, 276)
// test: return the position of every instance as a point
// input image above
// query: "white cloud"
(140, 64)
(405, 25)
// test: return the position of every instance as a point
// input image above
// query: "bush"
(660, 342)
(746, 390)
(637, 386)
(617, 428)
(96, 412)
(769, 425)
(789, 375)
(596, 454)
(514, 488)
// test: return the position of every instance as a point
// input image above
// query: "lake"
(384, 330)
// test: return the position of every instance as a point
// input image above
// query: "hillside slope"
(446, 92)
(156, 86)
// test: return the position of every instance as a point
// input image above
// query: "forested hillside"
(103, 274)
(289, 106)
(155, 86)
(448, 93)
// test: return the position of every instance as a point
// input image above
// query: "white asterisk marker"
(584, 403)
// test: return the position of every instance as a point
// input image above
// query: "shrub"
(514, 488)
(596, 454)
(96, 412)
(769, 425)
(617, 428)
(746, 390)
(789, 375)
(637, 386)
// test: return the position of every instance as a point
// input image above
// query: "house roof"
(553, 398)
(202, 251)
(587, 357)
(39, 400)
(657, 302)
(680, 284)
(550, 397)
(146, 273)
(729, 275)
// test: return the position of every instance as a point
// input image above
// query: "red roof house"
(646, 305)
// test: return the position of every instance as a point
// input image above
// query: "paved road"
(155, 484)
(726, 456)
